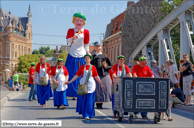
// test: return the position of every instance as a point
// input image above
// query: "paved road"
(19, 108)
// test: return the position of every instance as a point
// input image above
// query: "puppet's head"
(79, 20)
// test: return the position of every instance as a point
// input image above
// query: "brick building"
(13, 45)
(113, 34)
(125, 31)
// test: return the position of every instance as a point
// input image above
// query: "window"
(28, 50)
(23, 33)
(112, 29)
(16, 55)
(18, 50)
(116, 27)
(29, 35)
(112, 54)
(17, 31)
(11, 67)
(12, 51)
(119, 49)
(22, 51)
(115, 52)
(121, 23)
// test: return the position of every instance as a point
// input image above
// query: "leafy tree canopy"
(35, 51)
(24, 62)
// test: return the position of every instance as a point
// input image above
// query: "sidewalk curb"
(6, 98)
(184, 108)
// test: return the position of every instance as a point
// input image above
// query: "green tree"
(167, 7)
(63, 55)
(43, 50)
(22, 77)
(35, 51)
(49, 53)
(24, 62)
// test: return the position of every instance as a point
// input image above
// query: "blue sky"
(55, 18)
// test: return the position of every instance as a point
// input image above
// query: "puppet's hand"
(75, 37)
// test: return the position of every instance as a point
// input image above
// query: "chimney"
(129, 3)
(57, 48)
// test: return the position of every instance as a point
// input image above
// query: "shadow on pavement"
(18, 100)
(183, 114)
(62, 118)
(38, 108)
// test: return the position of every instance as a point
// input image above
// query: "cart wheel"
(130, 119)
(155, 119)
(119, 118)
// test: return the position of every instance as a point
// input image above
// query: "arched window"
(12, 51)
(116, 27)
(119, 49)
(23, 33)
(121, 23)
(116, 53)
(108, 52)
(112, 54)
(22, 51)
(17, 31)
(18, 50)
(11, 67)
(28, 50)
(16, 55)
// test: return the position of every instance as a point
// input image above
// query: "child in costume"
(44, 92)
(60, 75)
(85, 106)
(78, 37)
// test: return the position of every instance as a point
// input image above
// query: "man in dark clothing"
(187, 79)
(177, 96)
(102, 64)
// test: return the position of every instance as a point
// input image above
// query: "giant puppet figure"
(78, 37)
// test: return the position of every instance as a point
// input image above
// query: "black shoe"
(97, 106)
(100, 107)
(30, 100)
(34, 99)
(73, 99)
(145, 117)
